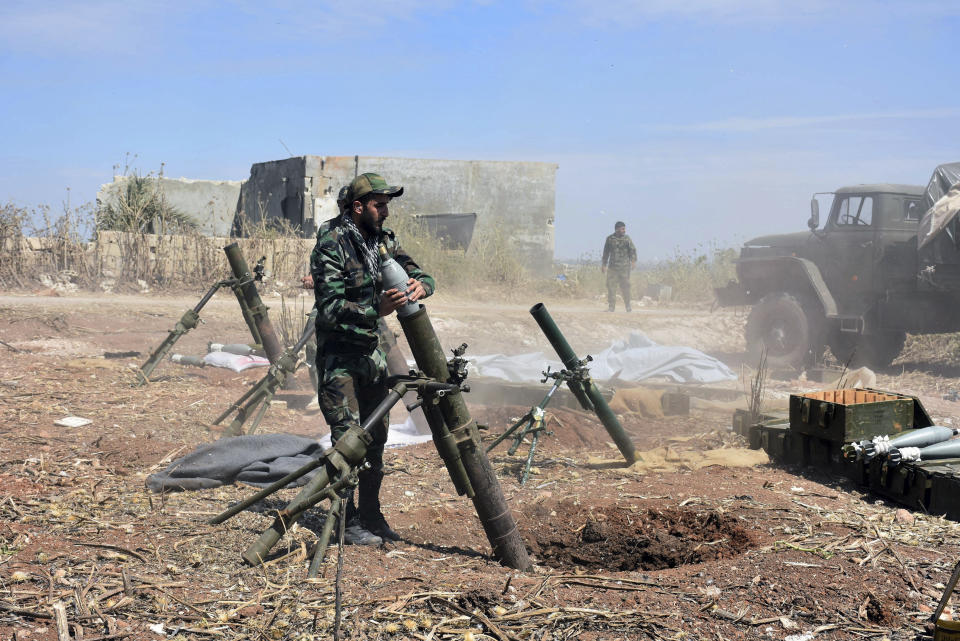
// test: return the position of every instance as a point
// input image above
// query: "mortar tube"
(248, 317)
(488, 499)
(268, 337)
(397, 366)
(595, 398)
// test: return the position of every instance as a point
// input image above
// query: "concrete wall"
(516, 197)
(276, 190)
(212, 203)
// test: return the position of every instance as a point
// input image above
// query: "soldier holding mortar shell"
(351, 366)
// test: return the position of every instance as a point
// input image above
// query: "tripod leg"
(324, 541)
(518, 439)
(264, 406)
(533, 449)
(237, 405)
(254, 555)
(510, 430)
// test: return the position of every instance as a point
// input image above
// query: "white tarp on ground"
(399, 435)
(635, 359)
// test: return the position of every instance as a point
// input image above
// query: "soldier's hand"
(415, 290)
(307, 281)
(391, 301)
(603, 269)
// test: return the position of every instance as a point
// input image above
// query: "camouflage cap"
(370, 183)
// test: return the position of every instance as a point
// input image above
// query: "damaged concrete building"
(515, 197)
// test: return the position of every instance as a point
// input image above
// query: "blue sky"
(697, 122)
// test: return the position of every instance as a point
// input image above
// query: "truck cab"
(842, 284)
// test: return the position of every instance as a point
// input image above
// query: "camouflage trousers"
(618, 277)
(351, 386)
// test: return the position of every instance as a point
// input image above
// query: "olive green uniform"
(619, 254)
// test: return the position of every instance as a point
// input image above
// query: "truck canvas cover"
(938, 236)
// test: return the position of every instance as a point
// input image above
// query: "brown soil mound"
(626, 540)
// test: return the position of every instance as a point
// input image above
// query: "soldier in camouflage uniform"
(351, 364)
(307, 282)
(619, 257)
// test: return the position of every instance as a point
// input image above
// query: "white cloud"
(93, 26)
(335, 18)
(626, 13)
(58, 27)
(801, 122)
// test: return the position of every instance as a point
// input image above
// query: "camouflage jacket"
(618, 251)
(348, 298)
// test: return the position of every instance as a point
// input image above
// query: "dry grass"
(59, 252)
(490, 262)
(692, 276)
(71, 250)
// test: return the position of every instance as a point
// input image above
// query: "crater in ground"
(622, 539)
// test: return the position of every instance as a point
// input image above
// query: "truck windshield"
(854, 211)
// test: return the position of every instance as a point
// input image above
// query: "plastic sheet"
(236, 362)
(634, 359)
(939, 216)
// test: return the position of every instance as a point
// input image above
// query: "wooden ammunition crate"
(847, 415)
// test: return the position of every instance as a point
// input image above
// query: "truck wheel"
(875, 351)
(787, 327)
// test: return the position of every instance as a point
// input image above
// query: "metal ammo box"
(821, 423)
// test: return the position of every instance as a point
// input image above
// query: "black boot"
(355, 533)
(369, 500)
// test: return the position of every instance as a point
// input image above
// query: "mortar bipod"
(262, 393)
(189, 320)
(534, 421)
(333, 467)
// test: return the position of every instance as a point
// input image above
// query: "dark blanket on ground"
(260, 460)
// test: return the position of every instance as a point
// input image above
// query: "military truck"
(885, 262)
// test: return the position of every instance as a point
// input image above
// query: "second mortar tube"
(571, 362)
(241, 271)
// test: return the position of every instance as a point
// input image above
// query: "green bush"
(139, 206)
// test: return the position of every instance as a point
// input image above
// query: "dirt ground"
(686, 546)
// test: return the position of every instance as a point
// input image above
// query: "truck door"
(850, 248)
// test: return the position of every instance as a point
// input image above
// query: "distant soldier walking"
(620, 255)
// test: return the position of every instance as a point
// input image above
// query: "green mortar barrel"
(588, 394)
(251, 301)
